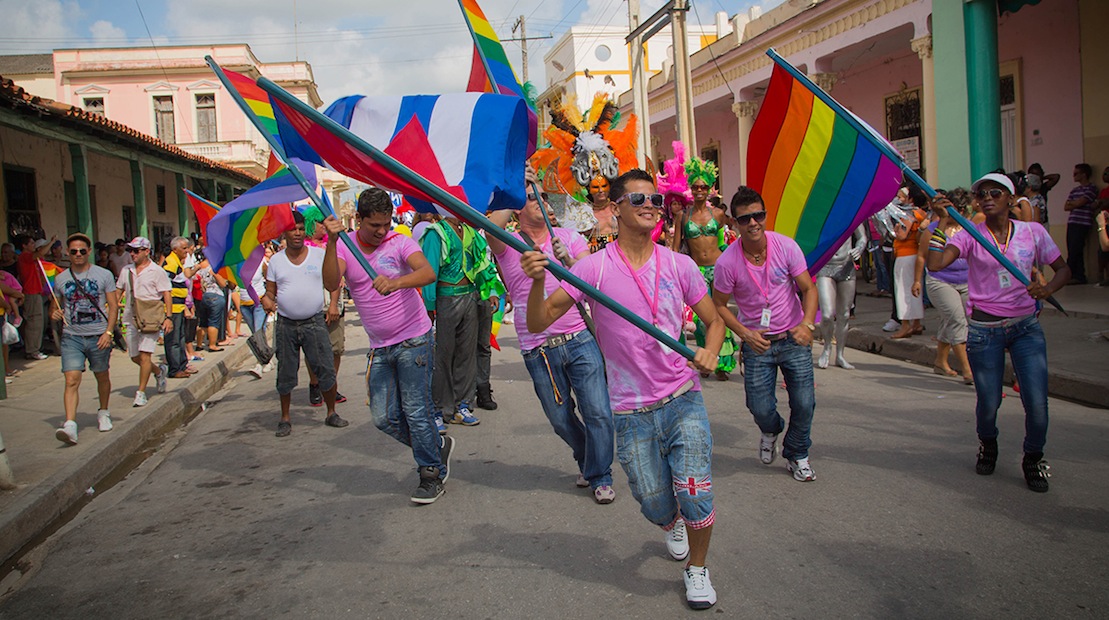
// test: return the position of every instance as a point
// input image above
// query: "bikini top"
(692, 230)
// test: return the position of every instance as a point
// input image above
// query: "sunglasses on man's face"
(994, 193)
(135, 250)
(78, 251)
(639, 199)
(532, 198)
(745, 219)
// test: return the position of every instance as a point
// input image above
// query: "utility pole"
(523, 39)
(683, 80)
(639, 85)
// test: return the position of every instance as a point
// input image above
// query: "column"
(138, 190)
(79, 160)
(923, 48)
(183, 208)
(982, 79)
(745, 113)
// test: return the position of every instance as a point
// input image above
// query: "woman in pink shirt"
(1003, 317)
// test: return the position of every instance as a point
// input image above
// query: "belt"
(687, 386)
(775, 337)
(999, 322)
(561, 339)
(454, 290)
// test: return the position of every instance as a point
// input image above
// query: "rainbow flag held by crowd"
(819, 176)
(498, 318)
(489, 51)
(204, 209)
(50, 271)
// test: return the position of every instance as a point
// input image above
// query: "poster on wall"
(909, 149)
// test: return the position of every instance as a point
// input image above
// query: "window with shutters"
(206, 118)
(94, 105)
(163, 119)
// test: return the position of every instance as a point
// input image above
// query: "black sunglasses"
(135, 250)
(994, 193)
(78, 252)
(638, 199)
(532, 197)
(745, 219)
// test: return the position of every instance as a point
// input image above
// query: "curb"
(40, 507)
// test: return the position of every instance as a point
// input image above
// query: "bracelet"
(935, 249)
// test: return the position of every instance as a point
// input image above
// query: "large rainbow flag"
(489, 51)
(259, 215)
(818, 175)
(235, 273)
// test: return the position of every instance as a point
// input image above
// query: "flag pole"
(53, 295)
(888, 151)
(280, 153)
(465, 212)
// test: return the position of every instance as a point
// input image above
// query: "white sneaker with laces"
(699, 593)
(802, 471)
(140, 399)
(163, 378)
(256, 371)
(104, 420)
(767, 448)
(676, 543)
(891, 326)
(67, 433)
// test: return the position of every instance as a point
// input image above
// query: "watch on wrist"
(811, 326)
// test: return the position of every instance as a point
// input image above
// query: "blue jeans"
(881, 269)
(667, 455)
(576, 365)
(174, 343)
(760, 380)
(986, 345)
(254, 316)
(398, 378)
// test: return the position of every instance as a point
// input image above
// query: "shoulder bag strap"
(81, 289)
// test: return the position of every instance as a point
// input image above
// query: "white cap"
(41, 243)
(996, 177)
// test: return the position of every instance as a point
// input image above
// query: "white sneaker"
(67, 433)
(268, 367)
(581, 482)
(802, 471)
(256, 371)
(767, 448)
(699, 593)
(162, 379)
(891, 326)
(104, 419)
(140, 399)
(676, 544)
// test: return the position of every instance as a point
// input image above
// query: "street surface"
(225, 520)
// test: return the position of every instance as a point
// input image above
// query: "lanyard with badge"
(1004, 278)
(764, 322)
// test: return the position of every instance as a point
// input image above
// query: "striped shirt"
(179, 284)
(1083, 216)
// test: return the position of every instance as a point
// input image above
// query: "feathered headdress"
(697, 169)
(672, 181)
(582, 150)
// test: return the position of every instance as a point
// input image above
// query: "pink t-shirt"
(992, 289)
(391, 318)
(519, 285)
(641, 371)
(770, 285)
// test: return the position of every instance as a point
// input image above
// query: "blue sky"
(371, 47)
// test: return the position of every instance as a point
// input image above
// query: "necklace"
(756, 257)
(1008, 238)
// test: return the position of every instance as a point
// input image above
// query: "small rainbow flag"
(488, 48)
(818, 175)
(49, 272)
(498, 318)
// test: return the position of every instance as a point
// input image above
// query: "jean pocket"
(977, 339)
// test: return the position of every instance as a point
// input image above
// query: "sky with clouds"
(370, 47)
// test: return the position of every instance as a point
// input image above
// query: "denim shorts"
(310, 336)
(77, 349)
(667, 456)
(214, 303)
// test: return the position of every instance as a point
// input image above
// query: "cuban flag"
(472, 145)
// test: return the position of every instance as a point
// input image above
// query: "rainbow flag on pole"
(257, 100)
(818, 175)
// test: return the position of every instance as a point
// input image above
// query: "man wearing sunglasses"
(663, 438)
(564, 357)
(763, 273)
(88, 306)
(149, 282)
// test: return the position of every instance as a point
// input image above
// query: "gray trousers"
(456, 333)
(34, 321)
(485, 312)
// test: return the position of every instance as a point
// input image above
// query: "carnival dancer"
(662, 430)
(1003, 316)
(564, 358)
(763, 273)
(399, 364)
(700, 232)
(835, 288)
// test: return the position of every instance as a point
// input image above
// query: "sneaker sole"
(700, 604)
(677, 558)
(447, 461)
(423, 501)
(64, 437)
(805, 479)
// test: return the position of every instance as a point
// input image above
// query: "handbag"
(147, 314)
(11, 334)
(260, 345)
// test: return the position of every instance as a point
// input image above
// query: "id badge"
(1004, 278)
(765, 321)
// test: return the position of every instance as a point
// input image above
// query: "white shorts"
(138, 342)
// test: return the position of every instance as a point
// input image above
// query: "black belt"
(775, 337)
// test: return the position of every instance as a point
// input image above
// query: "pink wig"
(672, 181)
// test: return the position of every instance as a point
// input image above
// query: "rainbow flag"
(819, 176)
(498, 318)
(204, 209)
(488, 50)
(257, 100)
(50, 271)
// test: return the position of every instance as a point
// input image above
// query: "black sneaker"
(339, 398)
(315, 396)
(1035, 471)
(485, 398)
(431, 487)
(445, 454)
(987, 457)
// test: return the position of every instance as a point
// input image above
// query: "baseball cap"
(996, 177)
(139, 242)
(41, 243)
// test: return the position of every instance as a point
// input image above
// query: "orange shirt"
(909, 246)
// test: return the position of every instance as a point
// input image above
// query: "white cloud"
(38, 26)
(104, 33)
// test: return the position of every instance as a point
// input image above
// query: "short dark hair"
(616, 189)
(744, 196)
(917, 196)
(1086, 169)
(21, 240)
(373, 201)
(298, 217)
(120, 242)
(1035, 165)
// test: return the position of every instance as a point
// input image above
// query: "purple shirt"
(1082, 216)
(770, 285)
(392, 318)
(992, 289)
(519, 285)
(956, 272)
(641, 371)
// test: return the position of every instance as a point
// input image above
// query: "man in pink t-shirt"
(763, 273)
(662, 430)
(400, 361)
(564, 357)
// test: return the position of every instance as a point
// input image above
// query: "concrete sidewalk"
(52, 477)
(1077, 347)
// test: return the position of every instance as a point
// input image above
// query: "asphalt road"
(225, 520)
